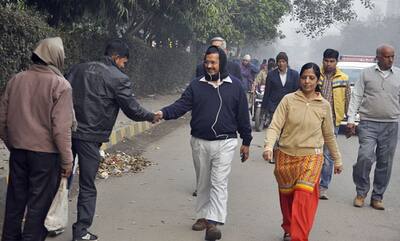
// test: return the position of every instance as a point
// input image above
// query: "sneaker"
(212, 232)
(323, 194)
(358, 201)
(200, 224)
(194, 194)
(286, 237)
(87, 236)
(377, 204)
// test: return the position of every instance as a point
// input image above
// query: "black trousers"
(33, 182)
(89, 160)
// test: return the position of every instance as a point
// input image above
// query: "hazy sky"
(294, 42)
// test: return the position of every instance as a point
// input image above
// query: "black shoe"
(87, 236)
(55, 233)
(286, 237)
(194, 194)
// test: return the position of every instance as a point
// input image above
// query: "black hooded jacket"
(217, 113)
(100, 89)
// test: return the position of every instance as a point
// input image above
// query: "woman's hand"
(267, 155)
(338, 169)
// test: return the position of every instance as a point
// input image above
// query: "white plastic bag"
(57, 217)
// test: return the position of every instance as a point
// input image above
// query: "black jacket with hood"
(100, 89)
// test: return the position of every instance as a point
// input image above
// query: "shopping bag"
(57, 217)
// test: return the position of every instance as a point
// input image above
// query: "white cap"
(247, 57)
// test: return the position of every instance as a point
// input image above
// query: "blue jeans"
(327, 167)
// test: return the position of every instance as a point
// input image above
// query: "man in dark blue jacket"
(280, 82)
(219, 110)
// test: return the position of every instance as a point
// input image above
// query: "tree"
(317, 16)
(183, 21)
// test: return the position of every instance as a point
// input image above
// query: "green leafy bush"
(20, 31)
(152, 70)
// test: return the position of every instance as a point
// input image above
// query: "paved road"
(157, 206)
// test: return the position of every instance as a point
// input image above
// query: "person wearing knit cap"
(219, 111)
(38, 135)
(248, 71)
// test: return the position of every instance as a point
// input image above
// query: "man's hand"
(338, 169)
(268, 154)
(350, 130)
(66, 172)
(244, 152)
(157, 116)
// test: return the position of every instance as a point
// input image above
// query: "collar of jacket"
(337, 74)
(109, 61)
(301, 96)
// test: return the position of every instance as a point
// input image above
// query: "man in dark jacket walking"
(219, 110)
(232, 67)
(100, 89)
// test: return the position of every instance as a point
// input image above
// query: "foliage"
(21, 30)
(177, 23)
(317, 16)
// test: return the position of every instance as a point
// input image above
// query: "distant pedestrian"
(271, 64)
(248, 71)
(219, 110)
(335, 88)
(100, 90)
(263, 64)
(261, 77)
(35, 124)
(302, 123)
(376, 97)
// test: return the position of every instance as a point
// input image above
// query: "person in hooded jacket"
(100, 90)
(36, 117)
(219, 110)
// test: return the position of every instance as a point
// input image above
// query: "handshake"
(157, 117)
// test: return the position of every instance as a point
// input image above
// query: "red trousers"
(298, 210)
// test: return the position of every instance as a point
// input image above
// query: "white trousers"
(212, 163)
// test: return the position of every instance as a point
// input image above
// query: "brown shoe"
(358, 201)
(200, 224)
(377, 204)
(212, 232)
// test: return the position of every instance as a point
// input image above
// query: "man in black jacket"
(219, 111)
(100, 89)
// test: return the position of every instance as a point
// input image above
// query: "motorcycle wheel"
(258, 118)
